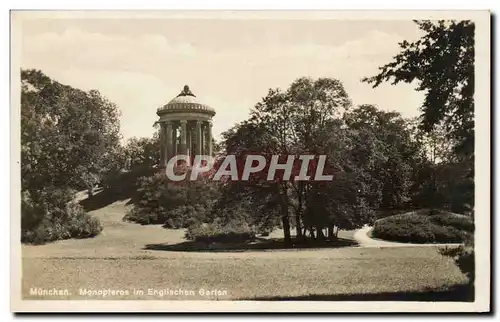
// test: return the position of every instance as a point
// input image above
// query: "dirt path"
(364, 240)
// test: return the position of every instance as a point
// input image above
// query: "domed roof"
(186, 101)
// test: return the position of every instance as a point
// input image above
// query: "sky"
(229, 64)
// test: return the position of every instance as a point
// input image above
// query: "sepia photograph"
(263, 161)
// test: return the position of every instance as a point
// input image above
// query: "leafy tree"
(255, 201)
(296, 122)
(66, 133)
(142, 152)
(442, 62)
(66, 137)
(385, 151)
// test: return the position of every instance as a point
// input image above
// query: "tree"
(66, 133)
(257, 200)
(343, 202)
(386, 152)
(142, 152)
(66, 137)
(304, 119)
(442, 62)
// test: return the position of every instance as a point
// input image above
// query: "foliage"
(442, 61)
(463, 256)
(442, 180)
(160, 201)
(464, 259)
(284, 123)
(234, 231)
(185, 216)
(424, 227)
(68, 139)
(460, 222)
(50, 215)
(66, 133)
(142, 152)
(372, 154)
(384, 153)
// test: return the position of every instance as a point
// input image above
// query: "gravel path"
(361, 236)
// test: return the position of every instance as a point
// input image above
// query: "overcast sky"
(141, 64)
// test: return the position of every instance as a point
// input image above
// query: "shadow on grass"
(105, 198)
(123, 187)
(259, 244)
(456, 293)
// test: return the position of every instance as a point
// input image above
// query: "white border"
(482, 184)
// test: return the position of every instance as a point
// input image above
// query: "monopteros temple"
(186, 127)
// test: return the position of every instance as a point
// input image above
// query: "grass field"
(119, 260)
(348, 271)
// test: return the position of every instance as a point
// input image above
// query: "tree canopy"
(67, 134)
(442, 63)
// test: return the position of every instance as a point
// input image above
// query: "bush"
(448, 234)
(82, 225)
(404, 228)
(460, 222)
(185, 216)
(464, 259)
(47, 216)
(174, 205)
(233, 232)
(424, 227)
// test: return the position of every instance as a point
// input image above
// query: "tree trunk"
(311, 232)
(285, 217)
(304, 233)
(298, 214)
(330, 232)
(286, 230)
(321, 236)
(298, 226)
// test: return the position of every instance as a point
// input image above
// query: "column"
(209, 138)
(189, 139)
(199, 147)
(169, 144)
(162, 143)
(183, 137)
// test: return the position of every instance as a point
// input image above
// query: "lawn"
(343, 274)
(127, 256)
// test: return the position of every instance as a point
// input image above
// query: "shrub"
(234, 231)
(82, 225)
(404, 228)
(423, 227)
(174, 205)
(47, 216)
(447, 234)
(185, 216)
(457, 221)
(464, 259)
